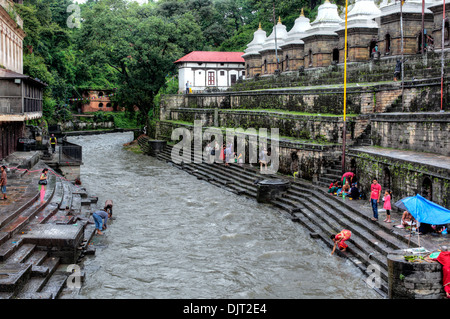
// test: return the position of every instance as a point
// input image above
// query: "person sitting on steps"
(354, 192)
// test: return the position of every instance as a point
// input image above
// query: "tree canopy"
(131, 47)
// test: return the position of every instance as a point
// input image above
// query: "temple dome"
(281, 34)
(410, 6)
(327, 21)
(259, 37)
(298, 30)
(362, 15)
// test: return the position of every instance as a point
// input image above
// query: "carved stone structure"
(372, 32)
(293, 48)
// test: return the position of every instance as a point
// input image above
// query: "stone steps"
(41, 280)
(332, 174)
(319, 212)
(22, 253)
(328, 203)
(19, 221)
(55, 285)
(217, 175)
(34, 286)
(332, 223)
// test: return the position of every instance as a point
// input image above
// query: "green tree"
(141, 51)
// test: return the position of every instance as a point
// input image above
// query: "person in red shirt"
(347, 176)
(443, 257)
(375, 193)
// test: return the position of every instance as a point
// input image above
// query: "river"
(176, 237)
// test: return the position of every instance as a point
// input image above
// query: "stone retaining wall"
(428, 132)
(418, 96)
(404, 178)
(83, 126)
(308, 158)
(323, 128)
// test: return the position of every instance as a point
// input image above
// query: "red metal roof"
(212, 56)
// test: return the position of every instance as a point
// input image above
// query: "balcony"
(21, 97)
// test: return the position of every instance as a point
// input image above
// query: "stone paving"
(431, 159)
(39, 242)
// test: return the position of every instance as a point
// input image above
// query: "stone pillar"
(270, 189)
(414, 280)
(2, 49)
(156, 146)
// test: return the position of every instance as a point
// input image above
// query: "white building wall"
(208, 75)
(11, 43)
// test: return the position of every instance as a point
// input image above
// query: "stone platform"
(431, 159)
(54, 235)
(38, 242)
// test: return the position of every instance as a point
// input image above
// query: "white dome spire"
(259, 37)
(298, 30)
(281, 37)
(362, 14)
(327, 20)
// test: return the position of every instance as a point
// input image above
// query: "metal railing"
(70, 153)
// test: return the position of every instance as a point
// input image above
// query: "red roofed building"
(203, 70)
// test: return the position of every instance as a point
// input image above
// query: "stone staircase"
(333, 173)
(319, 212)
(35, 271)
(365, 138)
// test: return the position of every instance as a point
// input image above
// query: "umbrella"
(424, 211)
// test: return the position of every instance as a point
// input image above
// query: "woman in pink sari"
(387, 205)
(43, 184)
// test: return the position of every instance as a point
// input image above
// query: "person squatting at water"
(100, 220)
(108, 206)
(339, 240)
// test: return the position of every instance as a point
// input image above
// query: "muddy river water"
(177, 237)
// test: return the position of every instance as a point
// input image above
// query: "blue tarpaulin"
(425, 211)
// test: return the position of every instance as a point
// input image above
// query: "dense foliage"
(131, 47)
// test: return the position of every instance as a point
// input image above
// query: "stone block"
(269, 189)
(13, 276)
(50, 235)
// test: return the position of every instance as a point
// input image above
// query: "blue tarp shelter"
(425, 211)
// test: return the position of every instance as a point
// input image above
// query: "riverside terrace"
(41, 245)
(322, 214)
